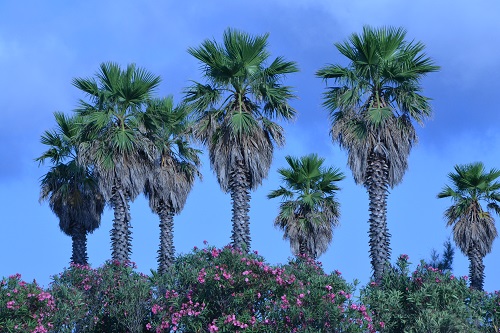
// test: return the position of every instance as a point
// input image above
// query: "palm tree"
(114, 141)
(235, 112)
(71, 189)
(473, 227)
(371, 110)
(309, 210)
(173, 174)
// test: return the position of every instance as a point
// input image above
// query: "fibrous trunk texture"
(476, 268)
(240, 197)
(121, 240)
(376, 183)
(166, 252)
(303, 248)
(79, 238)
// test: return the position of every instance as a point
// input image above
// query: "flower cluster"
(25, 307)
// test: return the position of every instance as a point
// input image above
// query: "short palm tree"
(235, 112)
(70, 188)
(309, 210)
(372, 105)
(176, 167)
(473, 227)
(114, 140)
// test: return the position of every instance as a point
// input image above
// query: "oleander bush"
(112, 298)
(25, 307)
(225, 290)
(429, 300)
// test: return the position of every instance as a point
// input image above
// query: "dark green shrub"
(112, 298)
(426, 300)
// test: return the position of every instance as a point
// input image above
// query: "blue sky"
(44, 45)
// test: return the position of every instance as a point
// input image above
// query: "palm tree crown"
(372, 105)
(309, 210)
(174, 171)
(473, 227)
(114, 140)
(70, 188)
(235, 112)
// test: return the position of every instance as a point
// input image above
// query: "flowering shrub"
(427, 300)
(225, 290)
(112, 298)
(491, 307)
(75, 291)
(24, 307)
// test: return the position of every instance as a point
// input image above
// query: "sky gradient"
(43, 47)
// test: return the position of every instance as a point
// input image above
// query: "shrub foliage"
(226, 290)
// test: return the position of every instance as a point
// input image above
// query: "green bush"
(112, 298)
(225, 290)
(427, 300)
(24, 307)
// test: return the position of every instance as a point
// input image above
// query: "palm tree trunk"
(476, 268)
(79, 238)
(240, 197)
(377, 186)
(303, 248)
(121, 240)
(166, 252)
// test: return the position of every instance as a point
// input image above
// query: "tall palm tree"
(114, 140)
(71, 189)
(235, 112)
(171, 179)
(473, 227)
(309, 210)
(376, 97)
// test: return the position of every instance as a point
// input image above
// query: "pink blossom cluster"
(170, 315)
(30, 307)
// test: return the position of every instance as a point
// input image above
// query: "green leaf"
(242, 123)
(378, 115)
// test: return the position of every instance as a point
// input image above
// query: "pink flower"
(156, 308)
